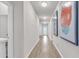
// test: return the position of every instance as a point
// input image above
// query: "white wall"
(40, 29)
(31, 28)
(18, 29)
(50, 30)
(71, 36)
(26, 28)
(3, 9)
(3, 20)
(2, 50)
(66, 49)
(3, 25)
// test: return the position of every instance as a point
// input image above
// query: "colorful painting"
(66, 19)
(67, 23)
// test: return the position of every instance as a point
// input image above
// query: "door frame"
(10, 29)
(44, 25)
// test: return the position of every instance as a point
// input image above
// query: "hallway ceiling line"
(43, 12)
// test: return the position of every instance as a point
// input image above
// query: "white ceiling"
(44, 12)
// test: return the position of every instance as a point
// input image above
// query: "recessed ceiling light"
(67, 4)
(54, 17)
(44, 4)
(44, 17)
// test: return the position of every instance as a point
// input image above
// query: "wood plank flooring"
(44, 49)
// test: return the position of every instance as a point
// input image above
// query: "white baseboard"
(50, 37)
(57, 49)
(56, 46)
(26, 56)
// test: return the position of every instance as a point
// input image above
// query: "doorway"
(6, 30)
(44, 29)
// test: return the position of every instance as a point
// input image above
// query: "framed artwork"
(55, 24)
(68, 22)
(66, 19)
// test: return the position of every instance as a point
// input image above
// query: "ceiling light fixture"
(54, 17)
(67, 4)
(44, 17)
(44, 4)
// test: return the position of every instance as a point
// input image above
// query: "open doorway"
(45, 29)
(6, 30)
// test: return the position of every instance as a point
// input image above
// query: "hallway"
(39, 29)
(44, 49)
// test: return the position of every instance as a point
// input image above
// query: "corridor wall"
(65, 48)
(18, 29)
(26, 28)
(67, 22)
(31, 28)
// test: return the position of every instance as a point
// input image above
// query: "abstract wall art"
(66, 19)
(67, 22)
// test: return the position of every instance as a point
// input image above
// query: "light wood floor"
(44, 49)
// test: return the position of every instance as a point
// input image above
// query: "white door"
(45, 29)
(6, 29)
(3, 29)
